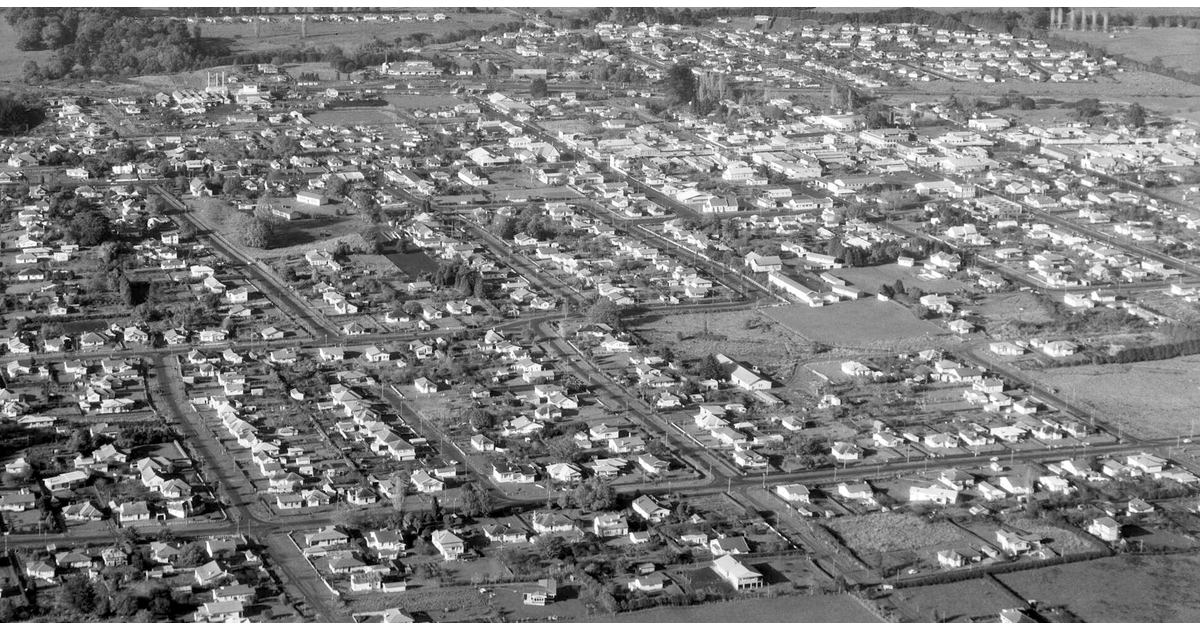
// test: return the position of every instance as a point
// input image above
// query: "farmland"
(1176, 47)
(1149, 588)
(1153, 398)
(795, 609)
(956, 602)
(285, 31)
(881, 532)
(864, 324)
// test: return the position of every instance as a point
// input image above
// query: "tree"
(89, 228)
(252, 231)
(78, 595)
(710, 368)
(1135, 117)
(191, 555)
(538, 89)
(475, 500)
(605, 311)
(681, 84)
(336, 187)
(594, 494)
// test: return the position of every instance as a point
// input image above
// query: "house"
(426, 484)
(450, 546)
(737, 574)
(649, 509)
(857, 491)
(846, 452)
(243, 593)
(610, 524)
(1015, 543)
(793, 492)
(482, 444)
(220, 612)
(425, 386)
(542, 594)
(935, 494)
(326, 537)
(728, 545)
(1106, 529)
(209, 574)
(503, 472)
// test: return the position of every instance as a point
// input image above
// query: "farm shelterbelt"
(569, 314)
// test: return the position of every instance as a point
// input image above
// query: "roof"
(729, 566)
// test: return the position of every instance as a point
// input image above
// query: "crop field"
(792, 609)
(1177, 47)
(866, 324)
(888, 531)
(1141, 589)
(1153, 399)
(955, 602)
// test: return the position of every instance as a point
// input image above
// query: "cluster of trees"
(19, 114)
(250, 230)
(880, 253)
(1156, 352)
(464, 279)
(91, 42)
(528, 221)
(605, 311)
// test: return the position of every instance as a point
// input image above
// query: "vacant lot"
(1177, 47)
(1113, 590)
(1152, 398)
(417, 101)
(742, 335)
(863, 324)
(888, 531)
(1002, 309)
(980, 599)
(869, 278)
(348, 117)
(796, 609)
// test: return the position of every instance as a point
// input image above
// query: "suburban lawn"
(791, 609)
(1153, 399)
(1127, 588)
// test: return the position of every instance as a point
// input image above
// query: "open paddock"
(1153, 399)
(980, 599)
(1129, 589)
(865, 324)
(788, 609)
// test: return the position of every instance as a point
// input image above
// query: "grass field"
(285, 31)
(1141, 589)
(796, 609)
(416, 101)
(1177, 47)
(869, 278)
(1152, 398)
(353, 117)
(742, 335)
(956, 602)
(1157, 93)
(12, 59)
(888, 531)
(864, 324)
